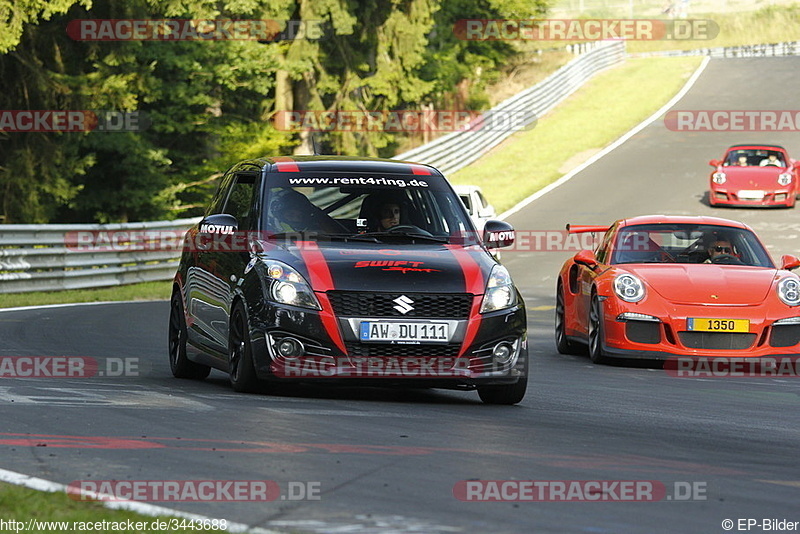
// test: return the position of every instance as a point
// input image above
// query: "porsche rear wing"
(582, 229)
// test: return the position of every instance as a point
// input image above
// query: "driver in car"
(389, 216)
(720, 247)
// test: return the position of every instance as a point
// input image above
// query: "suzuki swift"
(346, 270)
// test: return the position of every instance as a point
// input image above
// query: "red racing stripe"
(474, 283)
(322, 281)
(419, 170)
(286, 164)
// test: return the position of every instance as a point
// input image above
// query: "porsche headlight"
(289, 287)
(629, 288)
(500, 292)
(789, 291)
(784, 178)
(718, 178)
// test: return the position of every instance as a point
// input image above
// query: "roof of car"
(681, 219)
(345, 164)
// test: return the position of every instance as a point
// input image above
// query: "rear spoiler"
(582, 229)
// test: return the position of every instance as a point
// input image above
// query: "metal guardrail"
(789, 48)
(52, 257)
(457, 150)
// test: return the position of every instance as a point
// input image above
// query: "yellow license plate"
(698, 324)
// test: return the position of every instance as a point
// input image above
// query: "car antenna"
(314, 145)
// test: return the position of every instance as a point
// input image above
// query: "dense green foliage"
(210, 103)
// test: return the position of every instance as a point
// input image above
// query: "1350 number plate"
(697, 324)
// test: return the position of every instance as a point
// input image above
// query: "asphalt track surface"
(388, 460)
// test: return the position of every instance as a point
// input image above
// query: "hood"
(390, 267)
(752, 177)
(707, 283)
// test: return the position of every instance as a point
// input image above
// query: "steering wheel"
(727, 259)
(408, 229)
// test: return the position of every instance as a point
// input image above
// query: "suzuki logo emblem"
(404, 304)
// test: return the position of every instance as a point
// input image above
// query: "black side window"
(602, 250)
(219, 197)
(240, 199)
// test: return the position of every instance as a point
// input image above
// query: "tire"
(563, 344)
(596, 332)
(504, 394)
(179, 364)
(241, 370)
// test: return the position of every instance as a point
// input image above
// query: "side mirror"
(715, 163)
(220, 223)
(587, 258)
(498, 234)
(789, 262)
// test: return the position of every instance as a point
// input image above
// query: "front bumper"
(468, 360)
(726, 197)
(670, 335)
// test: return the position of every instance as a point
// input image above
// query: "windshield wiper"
(409, 235)
(314, 236)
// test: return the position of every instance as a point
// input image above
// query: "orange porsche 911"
(658, 286)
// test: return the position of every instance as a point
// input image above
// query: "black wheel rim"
(559, 317)
(237, 346)
(175, 333)
(594, 329)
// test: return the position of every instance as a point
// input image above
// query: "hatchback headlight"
(718, 178)
(629, 288)
(784, 178)
(289, 287)
(500, 292)
(789, 291)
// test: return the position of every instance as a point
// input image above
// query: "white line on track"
(654, 117)
(47, 306)
(41, 484)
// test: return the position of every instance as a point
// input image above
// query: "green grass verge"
(604, 109)
(23, 504)
(143, 291)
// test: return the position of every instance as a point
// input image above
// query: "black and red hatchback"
(347, 269)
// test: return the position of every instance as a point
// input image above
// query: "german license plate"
(704, 324)
(751, 195)
(408, 332)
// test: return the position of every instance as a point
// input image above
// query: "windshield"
(755, 157)
(689, 243)
(364, 212)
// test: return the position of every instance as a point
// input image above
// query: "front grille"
(383, 350)
(717, 340)
(643, 332)
(425, 305)
(785, 335)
